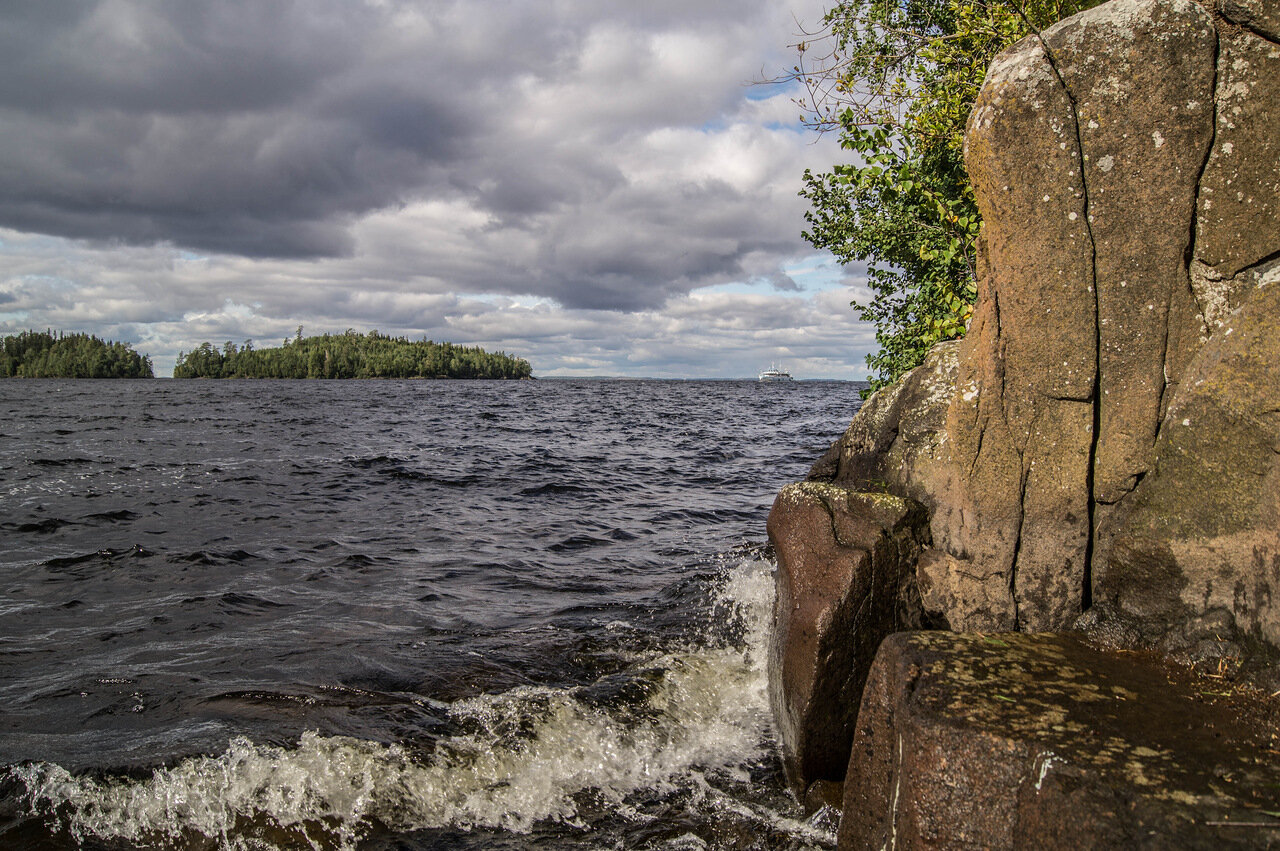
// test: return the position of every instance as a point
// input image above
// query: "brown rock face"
(1021, 423)
(1042, 741)
(1259, 16)
(844, 559)
(1238, 216)
(1087, 319)
(1239, 209)
(1090, 306)
(1197, 558)
(1104, 442)
(1148, 321)
(894, 442)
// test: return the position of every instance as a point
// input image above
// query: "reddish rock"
(845, 560)
(1141, 74)
(1259, 16)
(1100, 450)
(894, 441)
(1027, 367)
(1238, 217)
(1012, 740)
(1085, 317)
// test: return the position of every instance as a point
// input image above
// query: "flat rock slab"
(1016, 740)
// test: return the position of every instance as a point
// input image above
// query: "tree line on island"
(55, 354)
(46, 354)
(349, 355)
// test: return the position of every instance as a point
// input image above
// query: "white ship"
(775, 373)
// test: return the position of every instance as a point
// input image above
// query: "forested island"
(349, 355)
(46, 354)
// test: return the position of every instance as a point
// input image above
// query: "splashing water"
(524, 756)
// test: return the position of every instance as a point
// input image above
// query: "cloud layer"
(579, 169)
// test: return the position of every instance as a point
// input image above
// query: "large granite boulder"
(1261, 17)
(1238, 214)
(1011, 740)
(894, 441)
(844, 564)
(847, 557)
(1026, 441)
(1085, 321)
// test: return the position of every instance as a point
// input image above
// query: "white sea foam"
(525, 756)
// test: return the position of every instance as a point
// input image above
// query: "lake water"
(409, 615)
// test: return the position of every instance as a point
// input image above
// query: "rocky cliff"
(1102, 450)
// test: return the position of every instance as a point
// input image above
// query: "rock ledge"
(1016, 740)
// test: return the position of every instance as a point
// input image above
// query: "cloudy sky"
(595, 185)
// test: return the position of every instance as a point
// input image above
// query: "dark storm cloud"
(250, 128)
(640, 246)
(274, 129)
(143, 57)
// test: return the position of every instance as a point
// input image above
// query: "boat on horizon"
(775, 373)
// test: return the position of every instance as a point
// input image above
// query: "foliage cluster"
(349, 355)
(46, 354)
(897, 79)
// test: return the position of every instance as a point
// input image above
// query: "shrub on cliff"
(897, 80)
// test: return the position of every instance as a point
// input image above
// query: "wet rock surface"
(844, 561)
(1014, 740)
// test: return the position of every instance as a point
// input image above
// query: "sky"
(602, 187)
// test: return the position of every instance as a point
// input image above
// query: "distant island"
(46, 354)
(349, 355)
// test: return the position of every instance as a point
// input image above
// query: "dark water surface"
(390, 614)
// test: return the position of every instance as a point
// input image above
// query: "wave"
(60, 462)
(532, 754)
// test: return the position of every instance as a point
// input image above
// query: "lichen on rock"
(1102, 449)
(1014, 740)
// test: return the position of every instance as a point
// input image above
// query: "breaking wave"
(689, 721)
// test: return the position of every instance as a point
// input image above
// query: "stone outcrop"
(1239, 203)
(843, 586)
(1086, 319)
(1259, 16)
(894, 441)
(1010, 740)
(1196, 559)
(1102, 449)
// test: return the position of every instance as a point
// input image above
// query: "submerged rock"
(1014, 740)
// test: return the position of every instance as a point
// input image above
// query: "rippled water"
(394, 614)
